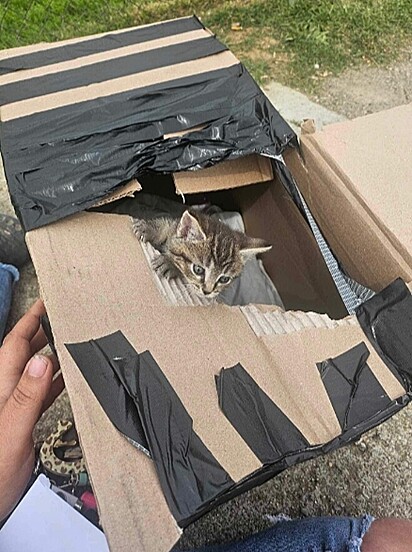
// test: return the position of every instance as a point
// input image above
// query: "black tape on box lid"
(45, 324)
(96, 359)
(189, 474)
(262, 425)
(131, 386)
(88, 46)
(386, 320)
(62, 160)
(355, 393)
(110, 69)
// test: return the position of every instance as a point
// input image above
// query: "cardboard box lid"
(374, 153)
(80, 118)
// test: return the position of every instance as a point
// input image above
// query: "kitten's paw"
(164, 268)
(139, 227)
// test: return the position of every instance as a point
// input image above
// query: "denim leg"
(8, 276)
(327, 534)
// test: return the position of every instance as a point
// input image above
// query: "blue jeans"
(326, 534)
(8, 276)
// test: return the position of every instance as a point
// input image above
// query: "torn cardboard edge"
(250, 169)
(128, 190)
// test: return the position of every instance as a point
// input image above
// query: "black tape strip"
(110, 69)
(355, 393)
(386, 319)
(96, 359)
(95, 45)
(46, 326)
(296, 457)
(53, 179)
(198, 97)
(189, 474)
(109, 361)
(261, 424)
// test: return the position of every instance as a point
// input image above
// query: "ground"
(359, 92)
(372, 475)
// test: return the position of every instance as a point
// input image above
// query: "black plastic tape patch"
(62, 161)
(386, 320)
(96, 359)
(110, 69)
(261, 424)
(103, 43)
(128, 110)
(189, 474)
(355, 393)
(46, 326)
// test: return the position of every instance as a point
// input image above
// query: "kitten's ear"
(253, 246)
(189, 228)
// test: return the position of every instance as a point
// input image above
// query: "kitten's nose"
(206, 292)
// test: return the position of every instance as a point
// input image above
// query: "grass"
(297, 42)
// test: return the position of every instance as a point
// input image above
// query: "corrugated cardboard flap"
(372, 157)
(250, 169)
(128, 190)
(342, 200)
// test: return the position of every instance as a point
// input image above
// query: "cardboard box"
(308, 382)
(361, 170)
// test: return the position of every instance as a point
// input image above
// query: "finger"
(16, 350)
(39, 341)
(27, 326)
(25, 405)
(56, 366)
(55, 390)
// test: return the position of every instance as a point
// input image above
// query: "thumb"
(24, 406)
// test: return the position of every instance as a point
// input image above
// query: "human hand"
(27, 389)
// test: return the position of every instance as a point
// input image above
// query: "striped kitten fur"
(206, 253)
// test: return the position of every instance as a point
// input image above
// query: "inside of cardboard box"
(294, 264)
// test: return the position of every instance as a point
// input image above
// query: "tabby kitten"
(206, 253)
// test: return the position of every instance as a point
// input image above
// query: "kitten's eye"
(198, 270)
(224, 279)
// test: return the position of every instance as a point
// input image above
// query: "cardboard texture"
(128, 190)
(102, 306)
(363, 177)
(294, 263)
(231, 174)
(95, 278)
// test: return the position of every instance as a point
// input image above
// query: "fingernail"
(37, 366)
